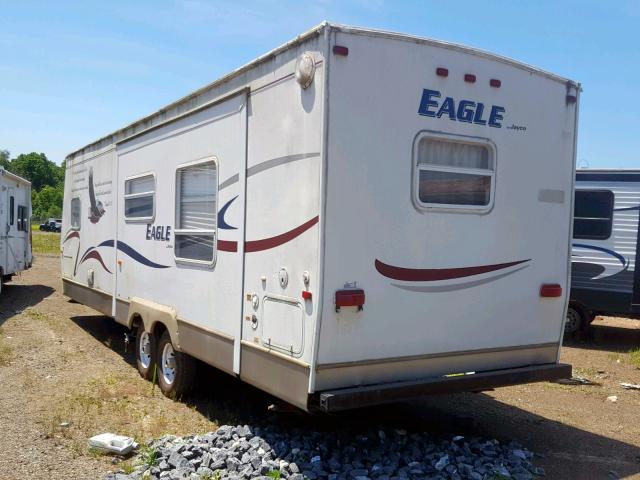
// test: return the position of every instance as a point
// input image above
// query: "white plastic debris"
(612, 398)
(631, 386)
(118, 444)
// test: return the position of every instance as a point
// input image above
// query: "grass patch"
(121, 404)
(148, 456)
(634, 357)
(588, 372)
(45, 242)
(6, 351)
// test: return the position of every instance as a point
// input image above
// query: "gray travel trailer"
(15, 225)
(604, 278)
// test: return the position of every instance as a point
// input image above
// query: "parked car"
(51, 225)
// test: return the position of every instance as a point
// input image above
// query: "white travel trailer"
(15, 225)
(604, 279)
(354, 218)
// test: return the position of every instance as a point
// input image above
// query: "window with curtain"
(139, 198)
(454, 173)
(196, 211)
(593, 214)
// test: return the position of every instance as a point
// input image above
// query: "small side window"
(593, 214)
(22, 218)
(76, 208)
(196, 210)
(139, 198)
(12, 211)
(454, 173)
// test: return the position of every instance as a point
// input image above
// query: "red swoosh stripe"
(272, 242)
(267, 243)
(96, 256)
(434, 274)
(74, 234)
(227, 246)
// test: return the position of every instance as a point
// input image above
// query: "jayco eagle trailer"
(15, 215)
(350, 219)
(604, 279)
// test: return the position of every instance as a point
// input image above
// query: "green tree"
(47, 202)
(4, 159)
(38, 169)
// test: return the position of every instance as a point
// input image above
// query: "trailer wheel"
(575, 320)
(145, 352)
(176, 370)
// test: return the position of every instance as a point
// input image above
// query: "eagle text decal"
(466, 111)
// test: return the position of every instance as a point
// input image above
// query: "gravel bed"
(245, 452)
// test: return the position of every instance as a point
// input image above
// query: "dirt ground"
(66, 373)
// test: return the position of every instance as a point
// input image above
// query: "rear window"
(454, 173)
(593, 214)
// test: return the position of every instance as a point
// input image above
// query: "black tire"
(184, 369)
(576, 321)
(145, 365)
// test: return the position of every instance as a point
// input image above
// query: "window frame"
(22, 218)
(613, 204)
(73, 227)
(181, 231)
(139, 195)
(461, 139)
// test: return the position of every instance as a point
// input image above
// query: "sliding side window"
(12, 207)
(454, 173)
(196, 210)
(593, 214)
(76, 208)
(139, 198)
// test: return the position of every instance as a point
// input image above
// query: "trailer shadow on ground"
(611, 338)
(566, 451)
(15, 298)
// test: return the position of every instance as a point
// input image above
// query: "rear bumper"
(370, 395)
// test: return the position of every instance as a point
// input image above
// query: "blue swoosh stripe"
(124, 248)
(221, 222)
(620, 258)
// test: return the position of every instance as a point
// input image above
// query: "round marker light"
(305, 69)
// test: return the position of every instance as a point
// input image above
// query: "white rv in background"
(604, 278)
(15, 225)
(348, 220)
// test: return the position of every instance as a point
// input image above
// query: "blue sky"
(72, 71)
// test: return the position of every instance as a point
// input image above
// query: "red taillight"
(469, 78)
(494, 82)
(551, 290)
(349, 298)
(306, 294)
(340, 50)
(442, 72)
(571, 99)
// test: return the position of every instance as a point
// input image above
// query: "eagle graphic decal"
(96, 209)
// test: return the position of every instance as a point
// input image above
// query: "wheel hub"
(145, 350)
(168, 364)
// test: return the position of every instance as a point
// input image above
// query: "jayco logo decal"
(466, 111)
